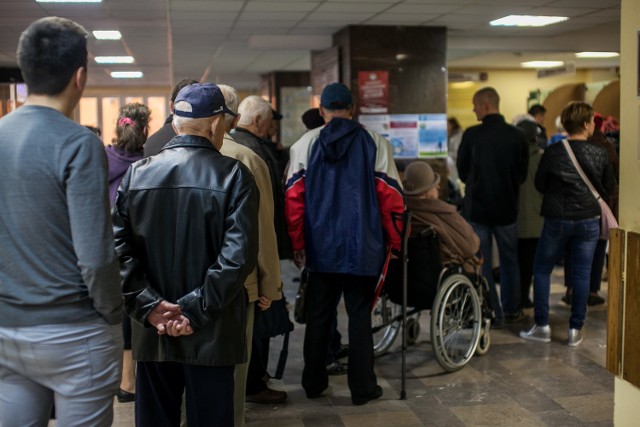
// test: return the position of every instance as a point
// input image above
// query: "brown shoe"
(267, 396)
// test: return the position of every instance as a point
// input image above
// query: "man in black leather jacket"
(185, 223)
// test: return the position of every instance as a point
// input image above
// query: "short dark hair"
(489, 95)
(454, 123)
(181, 84)
(537, 109)
(575, 115)
(49, 52)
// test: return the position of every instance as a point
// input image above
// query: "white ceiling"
(234, 41)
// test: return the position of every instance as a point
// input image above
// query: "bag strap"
(572, 156)
(282, 360)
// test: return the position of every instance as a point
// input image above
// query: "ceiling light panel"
(114, 59)
(127, 74)
(542, 64)
(527, 21)
(69, 1)
(597, 54)
(107, 35)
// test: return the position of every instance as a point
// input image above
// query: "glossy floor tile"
(517, 383)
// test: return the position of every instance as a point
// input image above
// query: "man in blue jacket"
(342, 191)
(493, 159)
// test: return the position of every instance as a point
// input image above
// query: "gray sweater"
(57, 259)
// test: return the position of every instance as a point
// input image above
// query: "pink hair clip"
(126, 121)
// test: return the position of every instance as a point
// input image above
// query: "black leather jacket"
(185, 224)
(566, 195)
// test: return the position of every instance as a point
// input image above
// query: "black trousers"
(526, 255)
(159, 388)
(322, 291)
(258, 365)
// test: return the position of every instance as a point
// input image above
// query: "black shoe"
(497, 323)
(364, 400)
(324, 392)
(567, 299)
(336, 368)
(267, 396)
(343, 352)
(514, 317)
(527, 303)
(595, 300)
(125, 396)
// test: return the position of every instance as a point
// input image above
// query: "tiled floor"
(516, 383)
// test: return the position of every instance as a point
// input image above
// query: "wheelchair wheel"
(384, 324)
(455, 322)
(485, 338)
(413, 329)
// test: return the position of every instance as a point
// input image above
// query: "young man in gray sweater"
(60, 298)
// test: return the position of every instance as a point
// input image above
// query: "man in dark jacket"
(256, 118)
(185, 223)
(342, 192)
(159, 139)
(492, 162)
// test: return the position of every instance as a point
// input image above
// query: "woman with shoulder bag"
(571, 218)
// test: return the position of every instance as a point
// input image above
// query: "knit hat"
(419, 178)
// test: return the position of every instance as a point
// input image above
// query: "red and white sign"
(373, 92)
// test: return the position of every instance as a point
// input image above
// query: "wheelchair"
(459, 302)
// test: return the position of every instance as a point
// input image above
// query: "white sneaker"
(537, 333)
(575, 337)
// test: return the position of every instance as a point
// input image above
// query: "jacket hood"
(334, 138)
(119, 161)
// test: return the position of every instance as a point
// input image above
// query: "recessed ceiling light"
(542, 64)
(597, 54)
(127, 74)
(107, 35)
(69, 1)
(114, 59)
(527, 21)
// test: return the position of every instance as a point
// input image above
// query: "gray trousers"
(75, 365)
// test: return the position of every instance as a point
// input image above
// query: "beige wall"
(513, 87)
(627, 396)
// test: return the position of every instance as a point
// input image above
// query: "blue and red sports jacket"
(342, 188)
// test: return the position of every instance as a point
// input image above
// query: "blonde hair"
(575, 115)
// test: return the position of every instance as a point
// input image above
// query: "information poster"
(373, 92)
(411, 135)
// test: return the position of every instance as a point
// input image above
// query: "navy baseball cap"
(200, 100)
(336, 96)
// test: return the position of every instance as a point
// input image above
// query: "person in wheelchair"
(442, 275)
(459, 244)
(439, 237)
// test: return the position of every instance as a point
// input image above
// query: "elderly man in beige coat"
(264, 283)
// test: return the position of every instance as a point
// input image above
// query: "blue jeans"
(507, 240)
(580, 237)
(597, 267)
